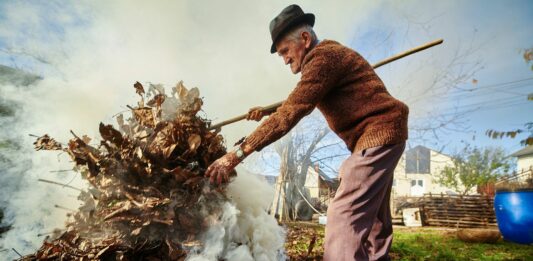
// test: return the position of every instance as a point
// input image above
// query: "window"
(420, 182)
(417, 187)
(417, 160)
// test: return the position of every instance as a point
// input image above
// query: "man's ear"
(306, 36)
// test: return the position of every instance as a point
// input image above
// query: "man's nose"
(287, 60)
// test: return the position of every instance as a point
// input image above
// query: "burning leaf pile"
(149, 199)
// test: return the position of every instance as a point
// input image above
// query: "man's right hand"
(255, 114)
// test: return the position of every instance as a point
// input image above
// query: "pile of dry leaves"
(149, 199)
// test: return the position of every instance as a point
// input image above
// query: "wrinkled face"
(293, 51)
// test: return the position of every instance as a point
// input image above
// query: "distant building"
(319, 187)
(524, 159)
(417, 172)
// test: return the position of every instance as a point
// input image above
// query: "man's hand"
(255, 114)
(218, 172)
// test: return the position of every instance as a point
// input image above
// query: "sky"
(90, 53)
(220, 48)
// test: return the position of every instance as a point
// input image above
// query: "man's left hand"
(255, 114)
(218, 172)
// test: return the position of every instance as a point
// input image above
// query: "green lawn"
(411, 244)
(438, 244)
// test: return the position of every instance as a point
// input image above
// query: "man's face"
(293, 51)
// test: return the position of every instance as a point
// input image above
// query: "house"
(524, 159)
(317, 193)
(417, 172)
(319, 187)
(524, 168)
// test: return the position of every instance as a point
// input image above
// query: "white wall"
(402, 186)
(311, 183)
(524, 163)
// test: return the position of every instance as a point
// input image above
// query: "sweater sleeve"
(321, 70)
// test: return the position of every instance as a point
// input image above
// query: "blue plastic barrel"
(514, 214)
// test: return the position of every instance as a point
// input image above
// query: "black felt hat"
(289, 17)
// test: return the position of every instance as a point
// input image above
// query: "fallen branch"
(311, 245)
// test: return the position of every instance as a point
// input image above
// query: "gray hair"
(296, 33)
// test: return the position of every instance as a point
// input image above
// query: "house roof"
(322, 175)
(523, 152)
(422, 147)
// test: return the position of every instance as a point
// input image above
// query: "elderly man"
(344, 87)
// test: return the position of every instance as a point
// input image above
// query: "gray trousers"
(359, 225)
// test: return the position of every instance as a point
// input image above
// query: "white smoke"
(89, 55)
(245, 231)
(30, 205)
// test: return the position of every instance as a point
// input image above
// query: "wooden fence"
(458, 211)
(520, 179)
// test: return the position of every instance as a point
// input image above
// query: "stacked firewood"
(148, 199)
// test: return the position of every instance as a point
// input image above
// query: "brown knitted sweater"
(345, 88)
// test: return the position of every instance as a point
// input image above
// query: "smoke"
(246, 222)
(89, 55)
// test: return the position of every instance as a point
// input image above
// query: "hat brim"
(304, 19)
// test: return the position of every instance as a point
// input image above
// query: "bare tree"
(427, 83)
(311, 142)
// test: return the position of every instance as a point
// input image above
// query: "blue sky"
(497, 32)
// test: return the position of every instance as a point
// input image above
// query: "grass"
(299, 236)
(442, 244)
(411, 244)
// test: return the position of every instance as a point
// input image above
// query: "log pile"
(149, 199)
(458, 211)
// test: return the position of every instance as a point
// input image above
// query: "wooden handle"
(272, 107)
(408, 52)
(268, 109)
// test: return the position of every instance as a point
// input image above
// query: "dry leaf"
(157, 100)
(109, 133)
(86, 139)
(144, 116)
(181, 91)
(46, 143)
(194, 142)
(139, 89)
